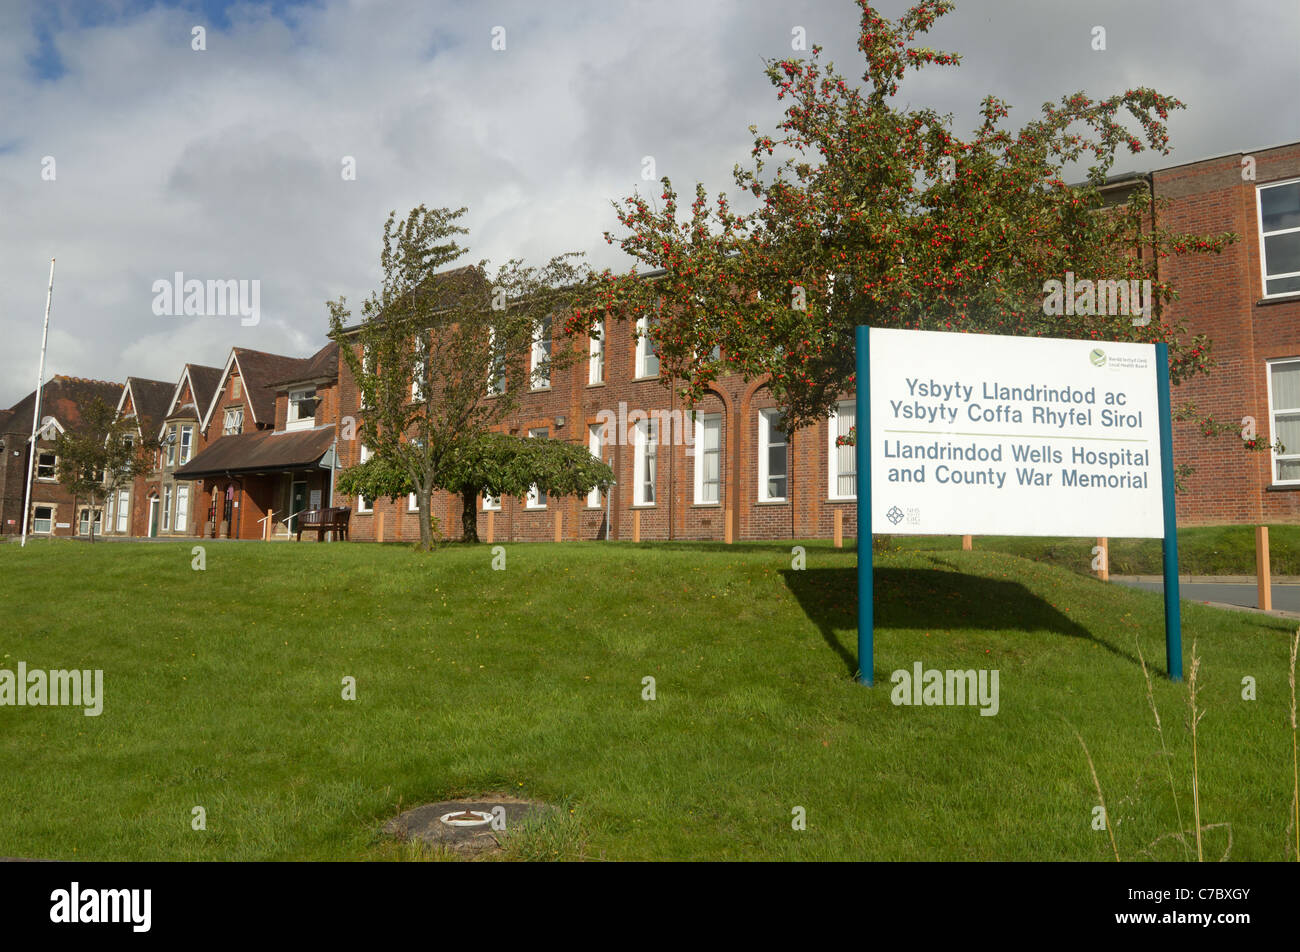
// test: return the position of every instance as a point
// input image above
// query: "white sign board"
(989, 435)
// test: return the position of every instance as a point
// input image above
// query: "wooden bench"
(334, 519)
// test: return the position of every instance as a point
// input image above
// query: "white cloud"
(225, 163)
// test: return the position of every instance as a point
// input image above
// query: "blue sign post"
(866, 582)
(862, 452)
(1173, 614)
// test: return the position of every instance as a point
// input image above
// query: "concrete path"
(1228, 591)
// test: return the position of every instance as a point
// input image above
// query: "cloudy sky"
(226, 163)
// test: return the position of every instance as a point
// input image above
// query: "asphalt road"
(1285, 597)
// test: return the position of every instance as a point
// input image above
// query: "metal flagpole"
(36, 411)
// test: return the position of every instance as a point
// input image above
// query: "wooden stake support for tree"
(379, 524)
(492, 526)
(559, 526)
(967, 543)
(636, 525)
(726, 527)
(1103, 572)
(1263, 570)
(839, 528)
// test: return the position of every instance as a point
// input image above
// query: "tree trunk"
(469, 517)
(426, 528)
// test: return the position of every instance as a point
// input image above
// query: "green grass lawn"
(1211, 550)
(223, 690)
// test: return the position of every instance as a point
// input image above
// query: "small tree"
(375, 478)
(441, 356)
(497, 464)
(870, 210)
(485, 465)
(561, 469)
(101, 456)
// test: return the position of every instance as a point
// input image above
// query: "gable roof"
(202, 382)
(262, 372)
(149, 399)
(63, 397)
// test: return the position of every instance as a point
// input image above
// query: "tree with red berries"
(868, 211)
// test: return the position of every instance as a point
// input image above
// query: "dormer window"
(302, 409)
(234, 421)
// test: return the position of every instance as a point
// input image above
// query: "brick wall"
(1222, 297)
(674, 513)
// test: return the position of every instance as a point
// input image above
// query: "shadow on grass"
(927, 598)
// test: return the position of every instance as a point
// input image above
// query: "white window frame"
(96, 516)
(644, 350)
(186, 444)
(166, 509)
(1272, 425)
(54, 467)
(496, 382)
(596, 357)
(645, 463)
(292, 419)
(367, 369)
(361, 500)
(703, 422)
(123, 510)
(1265, 277)
(172, 437)
(237, 415)
(418, 370)
(182, 521)
(37, 520)
(833, 451)
(536, 499)
(491, 503)
(540, 357)
(109, 510)
(596, 447)
(413, 502)
(765, 418)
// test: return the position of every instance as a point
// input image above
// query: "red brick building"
(746, 473)
(731, 473)
(1247, 301)
(265, 434)
(173, 504)
(267, 429)
(51, 510)
(128, 507)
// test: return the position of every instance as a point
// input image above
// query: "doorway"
(297, 502)
(153, 517)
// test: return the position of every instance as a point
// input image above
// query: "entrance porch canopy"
(265, 451)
